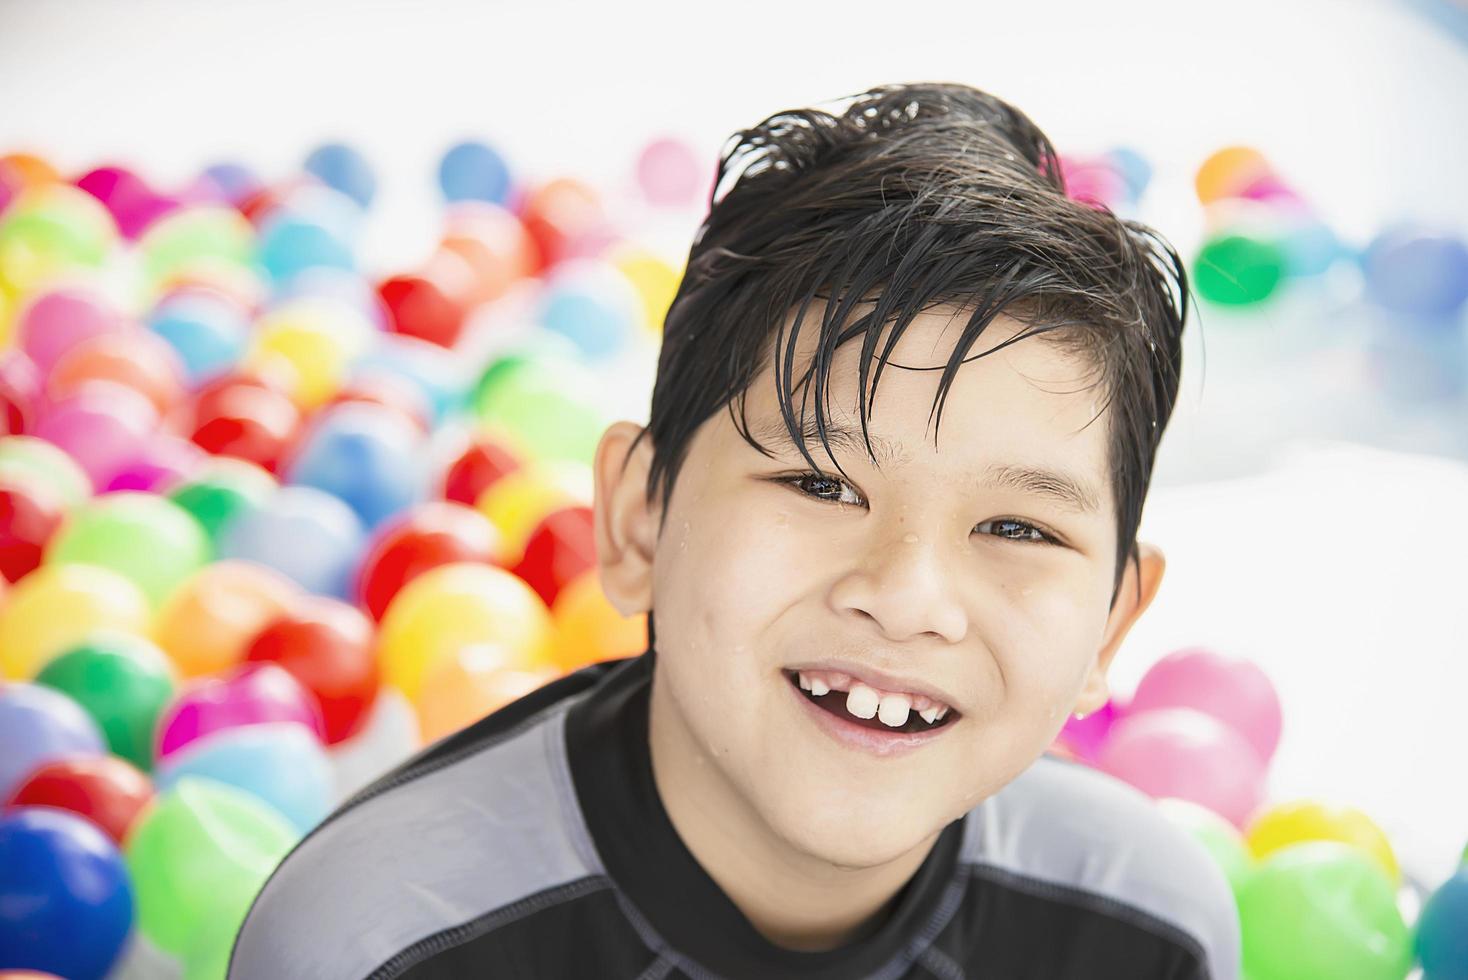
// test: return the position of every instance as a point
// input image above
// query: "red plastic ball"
(105, 789)
(419, 308)
(557, 212)
(562, 546)
(245, 419)
(430, 535)
(484, 462)
(29, 515)
(326, 645)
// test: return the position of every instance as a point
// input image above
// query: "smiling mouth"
(834, 702)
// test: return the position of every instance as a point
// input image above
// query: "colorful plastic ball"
(291, 242)
(547, 410)
(436, 372)
(145, 537)
(207, 625)
(1235, 269)
(491, 248)
(105, 789)
(419, 308)
(30, 513)
(327, 646)
(278, 763)
(590, 629)
(556, 212)
(336, 285)
(38, 725)
(561, 547)
(49, 230)
(472, 171)
(1134, 169)
(1087, 735)
(1225, 172)
(29, 169)
(671, 174)
(472, 683)
(206, 329)
(103, 426)
(222, 488)
(318, 339)
(591, 302)
(1185, 753)
(1441, 940)
(66, 906)
(26, 458)
(429, 535)
(366, 455)
(249, 694)
(1232, 689)
(517, 502)
(1310, 247)
(20, 388)
(389, 734)
(343, 168)
(1219, 838)
(476, 468)
(1304, 820)
(234, 181)
(57, 606)
(310, 536)
(198, 856)
(390, 391)
(245, 418)
(1417, 272)
(1322, 911)
(162, 462)
(193, 236)
(655, 280)
(455, 606)
(123, 682)
(56, 321)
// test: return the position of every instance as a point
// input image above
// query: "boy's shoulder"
(483, 821)
(1069, 835)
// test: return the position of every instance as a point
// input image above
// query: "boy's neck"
(791, 898)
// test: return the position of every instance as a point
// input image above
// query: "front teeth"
(929, 715)
(861, 701)
(864, 702)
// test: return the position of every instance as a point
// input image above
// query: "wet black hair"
(913, 196)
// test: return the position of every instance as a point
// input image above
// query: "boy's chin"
(857, 836)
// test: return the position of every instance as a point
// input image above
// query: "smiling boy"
(863, 635)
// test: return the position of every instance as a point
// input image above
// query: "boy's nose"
(903, 584)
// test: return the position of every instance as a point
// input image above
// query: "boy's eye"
(1028, 533)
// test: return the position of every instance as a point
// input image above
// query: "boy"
(830, 761)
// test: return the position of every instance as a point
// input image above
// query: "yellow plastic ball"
(458, 606)
(589, 628)
(56, 606)
(1310, 820)
(517, 501)
(1228, 171)
(318, 339)
(471, 684)
(655, 280)
(49, 230)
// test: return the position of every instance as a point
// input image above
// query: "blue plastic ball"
(339, 166)
(591, 302)
(304, 533)
(1417, 272)
(207, 330)
(439, 373)
(472, 171)
(1442, 930)
(38, 724)
(236, 181)
(367, 455)
(65, 902)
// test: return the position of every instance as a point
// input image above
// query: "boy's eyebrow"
(1065, 489)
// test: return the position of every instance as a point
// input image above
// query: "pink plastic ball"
(56, 321)
(247, 695)
(1086, 735)
(1187, 754)
(20, 392)
(102, 426)
(670, 173)
(164, 460)
(1233, 690)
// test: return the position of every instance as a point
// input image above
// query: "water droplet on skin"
(782, 520)
(909, 539)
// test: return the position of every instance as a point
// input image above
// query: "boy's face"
(919, 572)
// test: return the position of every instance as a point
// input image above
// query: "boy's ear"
(625, 524)
(1128, 607)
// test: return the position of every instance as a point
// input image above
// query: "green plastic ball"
(29, 458)
(546, 408)
(49, 230)
(144, 537)
(218, 495)
(1236, 270)
(197, 857)
(197, 235)
(124, 682)
(1322, 910)
(1220, 838)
